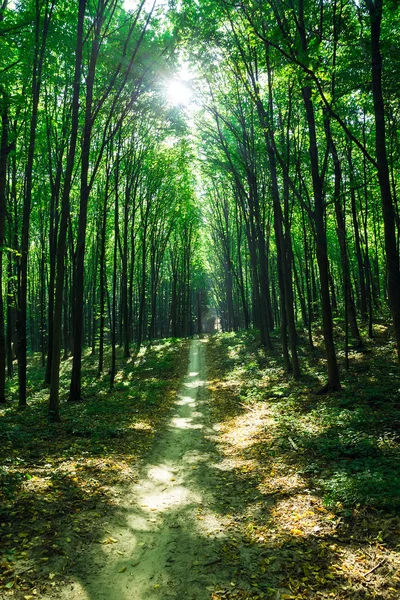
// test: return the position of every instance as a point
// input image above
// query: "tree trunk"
(75, 392)
(102, 277)
(321, 247)
(41, 30)
(114, 283)
(142, 295)
(357, 241)
(54, 401)
(350, 311)
(4, 151)
(392, 257)
(199, 313)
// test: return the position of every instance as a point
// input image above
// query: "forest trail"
(164, 543)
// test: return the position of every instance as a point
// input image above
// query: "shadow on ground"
(325, 523)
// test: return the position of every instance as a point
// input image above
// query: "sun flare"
(178, 93)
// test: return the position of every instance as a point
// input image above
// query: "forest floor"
(61, 484)
(245, 485)
(313, 481)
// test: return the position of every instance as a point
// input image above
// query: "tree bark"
(4, 151)
(392, 257)
(321, 247)
(41, 30)
(54, 400)
(350, 311)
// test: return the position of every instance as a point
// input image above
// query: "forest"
(199, 299)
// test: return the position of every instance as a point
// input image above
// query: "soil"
(166, 537)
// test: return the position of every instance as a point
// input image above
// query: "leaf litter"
(292, 533)
(289, 533)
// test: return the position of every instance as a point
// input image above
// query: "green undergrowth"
(346, 443)
(56, 480)
(317, 484)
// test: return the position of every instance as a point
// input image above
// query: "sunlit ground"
(57, 481)
(165, 544)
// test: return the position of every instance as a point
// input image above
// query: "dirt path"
(166, 540)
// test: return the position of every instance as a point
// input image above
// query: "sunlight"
(178, 93)
(193, 384)
(132, 5)
(160, 473)
(184, 400)
(185, 423)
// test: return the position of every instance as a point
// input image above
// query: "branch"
(10, 66)
(293, 59)
(380, 563)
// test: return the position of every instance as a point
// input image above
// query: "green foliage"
(347, 444)
(363, 486)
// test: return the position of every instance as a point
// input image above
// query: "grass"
(58, 480)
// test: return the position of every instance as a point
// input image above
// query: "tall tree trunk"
(53, 217)
(284, 272)
(4, 151)
(131, 278)
(350, 311)
(102, 290)
(54, 401)
(392, 257)
(41, 30)
(75, 392)
(10, 317)
(142, 293)
(114, 282)
(153, 296)
(243, 298)
(42, 296)
(283, 256)
(321, 247)
(124, 273)
(174, 302)
(357, 241)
